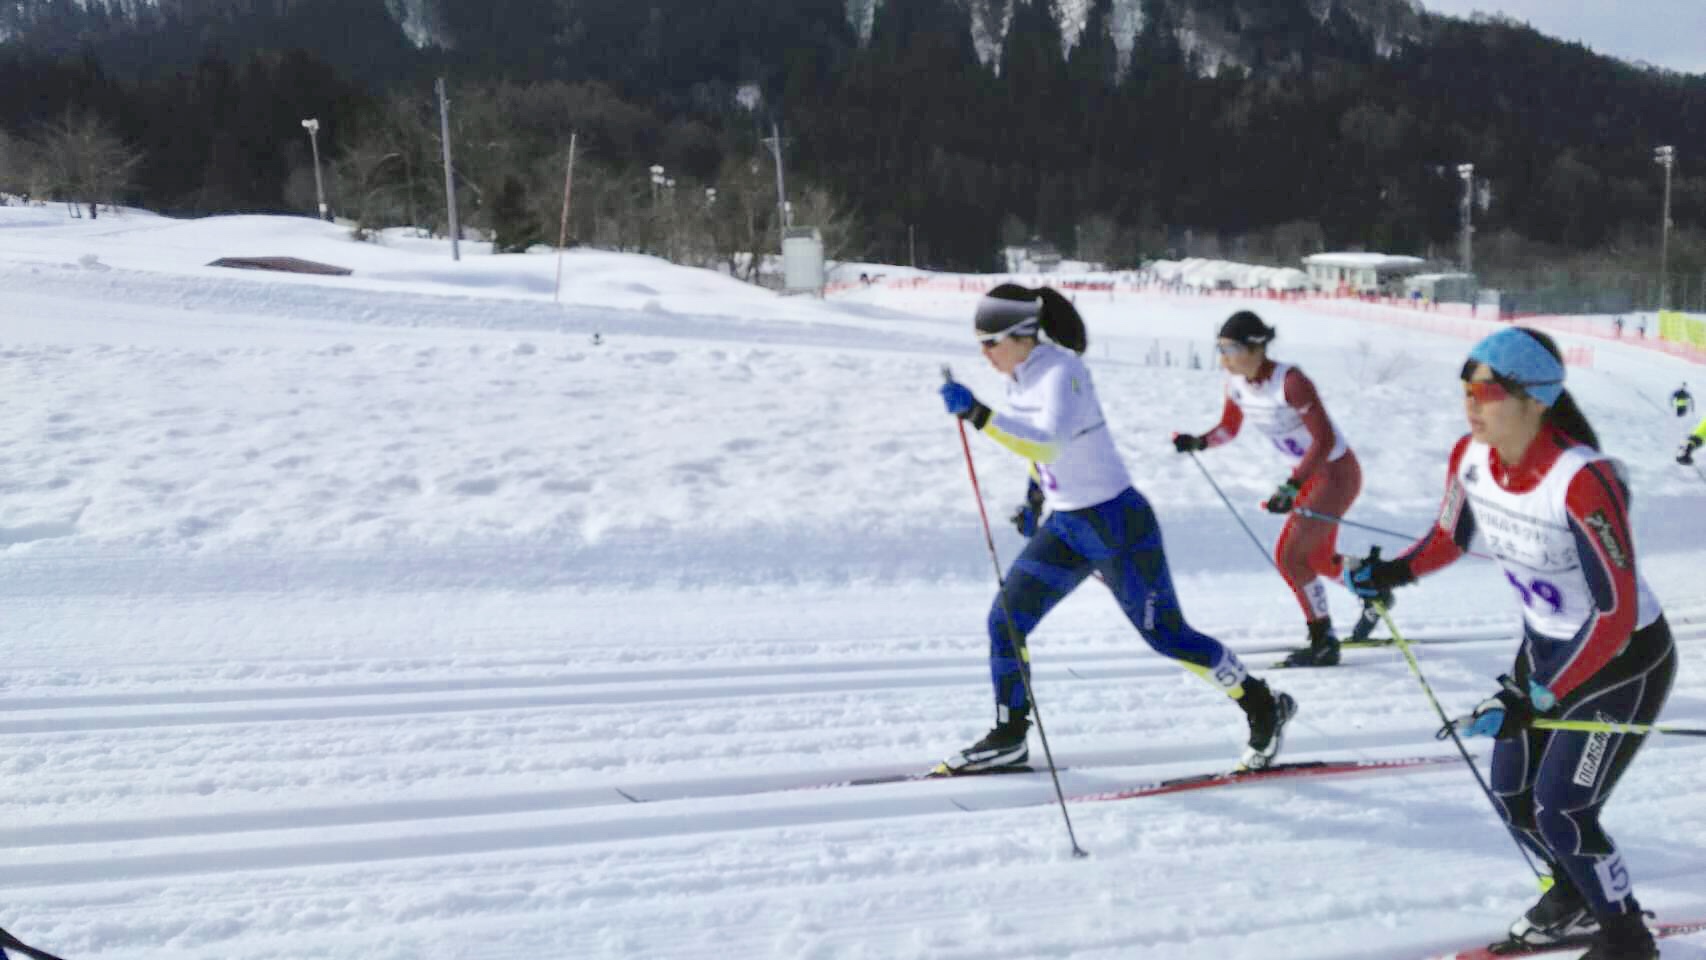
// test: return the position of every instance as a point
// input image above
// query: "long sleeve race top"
(1281, 402)
(1052, 418)
(1558, 524)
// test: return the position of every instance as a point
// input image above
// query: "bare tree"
(79, 157)
(13, 178)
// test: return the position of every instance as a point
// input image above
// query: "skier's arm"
(1037, 438)
(1449, 537)
(1231, 418)
(1700, 431)
(1300, 396)
(1597, 506)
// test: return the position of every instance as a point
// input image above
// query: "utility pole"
(1664, 157)
(449, 172)
(776, 143)
(312, 125)
(563, 233)
(1466, 251)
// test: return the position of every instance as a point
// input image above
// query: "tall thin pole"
(449, 175)
(912, 245)
(775, 142)
(1465, 215)
(1666, 157)
(563, 234)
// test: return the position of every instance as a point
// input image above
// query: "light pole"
(1665, 157)
(1466, 252)
(312, 125)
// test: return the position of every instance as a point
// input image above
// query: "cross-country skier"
(1682, 400)
(1280, 402)
(1553, 510)
(1096, 522)
(1685, 453)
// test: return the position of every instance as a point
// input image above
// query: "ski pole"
(1260, 548)
(7, 941)
(1013, 631)
(1597, 726)
(1416, 668)
(1341, 521)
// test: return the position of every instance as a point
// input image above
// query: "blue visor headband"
(1519, 359)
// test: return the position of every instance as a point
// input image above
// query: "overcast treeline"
(1315, 141)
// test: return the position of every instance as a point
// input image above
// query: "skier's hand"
(1504, 715)
(1029, 516)
(1185, 443)
(1283, 499)
(1685, 453)
(1372, 578)
(961, 403)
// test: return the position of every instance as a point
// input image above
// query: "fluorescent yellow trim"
(1032, 450)
(1236, 693)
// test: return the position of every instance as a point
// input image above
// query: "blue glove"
(1030, 514)
(1504, 715)
(961, 403)
(1542, 698)
(957, 398)
(1372, 578)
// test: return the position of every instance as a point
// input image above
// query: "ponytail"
(1564, 414)
(1569, 419)
(1057, 317)
(1061, 321)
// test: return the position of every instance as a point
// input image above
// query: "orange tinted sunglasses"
(1485, 391)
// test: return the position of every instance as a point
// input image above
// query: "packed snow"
(441, 610)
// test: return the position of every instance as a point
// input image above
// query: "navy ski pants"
(1551, 785)
(1121, 540)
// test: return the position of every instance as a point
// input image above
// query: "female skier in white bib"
(1530, 479)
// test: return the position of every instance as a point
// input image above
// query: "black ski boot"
(1561, 917)
(1267, 714)
(1004, 748)
(1323, 650)
(1623, 936)
(1368, 621)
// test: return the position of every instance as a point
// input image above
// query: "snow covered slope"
(349, 618)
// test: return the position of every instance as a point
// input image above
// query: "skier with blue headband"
(1554, 512)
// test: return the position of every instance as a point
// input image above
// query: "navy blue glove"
(961, 403)
(1504, 715)
(1283, 499)
(1372, 578)
(1029, 516)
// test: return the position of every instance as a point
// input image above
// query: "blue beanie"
(1521, 359)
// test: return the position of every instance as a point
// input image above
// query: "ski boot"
(1561, 917)
(1267, 714)
(1323, 649)
(1623, 936)
(1368, 621)
(1004, 748)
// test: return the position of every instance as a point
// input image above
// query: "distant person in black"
(1682, 400)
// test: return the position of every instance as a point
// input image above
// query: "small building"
(1441, 287)
(1372, 273)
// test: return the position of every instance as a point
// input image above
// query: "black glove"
(1503, 715)
(1685, 453)
(1185, 443)
(1372, 578)
(1029, 516)
(1283, 499)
